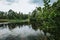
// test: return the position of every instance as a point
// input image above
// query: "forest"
(46, 18)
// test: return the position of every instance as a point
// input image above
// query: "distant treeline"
(12, 15)
(46, 18)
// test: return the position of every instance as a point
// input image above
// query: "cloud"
(24, 6)
(17, 5)
(40, 2)
(10, 0)
(37, 2)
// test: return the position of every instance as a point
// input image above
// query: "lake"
(18, 31)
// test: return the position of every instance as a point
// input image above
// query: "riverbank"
(13, 20)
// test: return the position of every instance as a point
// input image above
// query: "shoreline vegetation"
(46, 18)
(13, 20)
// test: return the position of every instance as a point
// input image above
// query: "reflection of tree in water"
(11, 26)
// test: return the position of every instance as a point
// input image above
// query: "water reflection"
(23, 32)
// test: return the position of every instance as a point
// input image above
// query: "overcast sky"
(24, 6)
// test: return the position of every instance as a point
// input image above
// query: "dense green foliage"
(47, 18)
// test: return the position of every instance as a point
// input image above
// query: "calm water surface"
(19, 32)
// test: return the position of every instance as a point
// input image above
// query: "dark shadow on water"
(13, 25)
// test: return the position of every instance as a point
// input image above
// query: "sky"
(24, 6)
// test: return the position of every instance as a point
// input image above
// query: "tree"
(12, 14)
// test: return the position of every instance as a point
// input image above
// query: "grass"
(3, 20)
(13, 20)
